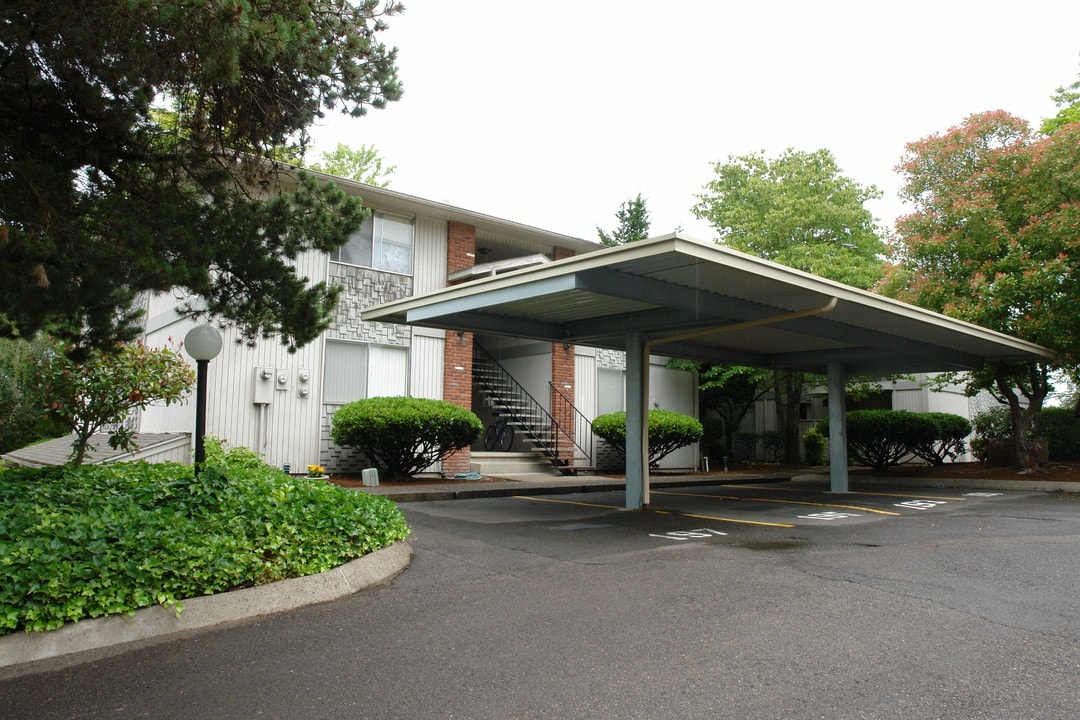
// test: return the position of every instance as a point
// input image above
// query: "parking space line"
(657, 511)
(733, 520)
(781, 502)
(569, 502)
(916, 497)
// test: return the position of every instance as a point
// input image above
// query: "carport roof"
(694, 299)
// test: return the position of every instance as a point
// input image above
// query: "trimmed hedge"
(949, 442)
(668, 431)
(884, 438)
(1059, 427)
(402, 435)
(88, 541)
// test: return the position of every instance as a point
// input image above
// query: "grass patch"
(89, 541)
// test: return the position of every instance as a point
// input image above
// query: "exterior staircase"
(541, 443)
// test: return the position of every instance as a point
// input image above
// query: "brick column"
(562, 377)
(562, 396)
(458, 349)
(558, 253)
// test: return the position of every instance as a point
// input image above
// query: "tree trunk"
(1030, 455)
(787, 392)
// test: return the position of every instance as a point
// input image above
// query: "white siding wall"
(533, 372)
(426, 364)
(914, 400)
(429, 255)
(585, 390)
(286, 429)
(674, 390)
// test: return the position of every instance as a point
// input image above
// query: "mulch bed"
(1058, 472)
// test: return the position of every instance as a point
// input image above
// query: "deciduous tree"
(102, 390)
(100, 199)
(798, 210)
(991, 241)
(363, 164)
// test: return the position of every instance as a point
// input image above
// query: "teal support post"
(637, 423)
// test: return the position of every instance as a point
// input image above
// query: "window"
(610, 390)
(357, 370)
(383, 242)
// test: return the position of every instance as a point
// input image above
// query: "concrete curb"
(377, 568)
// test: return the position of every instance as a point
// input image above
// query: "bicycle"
(499, 434)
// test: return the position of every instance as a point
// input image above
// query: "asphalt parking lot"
(776, 600)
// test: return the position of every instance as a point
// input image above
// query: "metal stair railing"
(561, 407)
(515, 401)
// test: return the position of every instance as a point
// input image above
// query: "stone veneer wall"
(364, 288)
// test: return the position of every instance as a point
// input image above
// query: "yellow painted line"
(781, 502)
(917, 497)
(733, 520)
(658, 512)
(795, 489)
(569, 502)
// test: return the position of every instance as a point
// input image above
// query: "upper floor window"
(383, 242)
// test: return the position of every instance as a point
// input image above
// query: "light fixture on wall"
(461, 336)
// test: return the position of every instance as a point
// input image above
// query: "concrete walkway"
(22, 653)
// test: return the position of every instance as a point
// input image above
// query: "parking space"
(716, 514)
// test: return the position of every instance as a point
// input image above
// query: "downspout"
(648, 346)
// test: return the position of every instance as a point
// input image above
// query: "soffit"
(670, 286)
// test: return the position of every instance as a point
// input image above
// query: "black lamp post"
(203, 343)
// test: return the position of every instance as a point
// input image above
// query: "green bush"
(745, 446)
(668, 431)
(948, 443)
(87, 541)
(712, 440)
(884, 438)
(816, 447)
(401, 435)
(1060, 429)
(993, 424)
(774, 445)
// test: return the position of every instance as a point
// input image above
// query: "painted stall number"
(920, 504)
(688, 534)
(829, 515)
(983, 494)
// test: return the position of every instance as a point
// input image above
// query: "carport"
(687, 298)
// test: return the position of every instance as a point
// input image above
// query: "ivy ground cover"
(83, 542)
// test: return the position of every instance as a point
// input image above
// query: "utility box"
(370, 477)
(264, 386)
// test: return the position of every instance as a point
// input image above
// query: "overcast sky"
(552, 114)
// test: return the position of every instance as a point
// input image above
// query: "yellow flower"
(315, 470)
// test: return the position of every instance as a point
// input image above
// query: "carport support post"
(838, 470)
(637, 424)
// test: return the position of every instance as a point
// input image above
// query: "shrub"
(884, 438)
(88, 541)
(712, 441)
(401, 435)
(106, 387)
(948, 443)
(1060, 429)
(816, 447)
(668, 431)
(774, 445)
(993, 424)
(21, 417)
(745, 446)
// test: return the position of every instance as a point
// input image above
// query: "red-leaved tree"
(995, 226)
